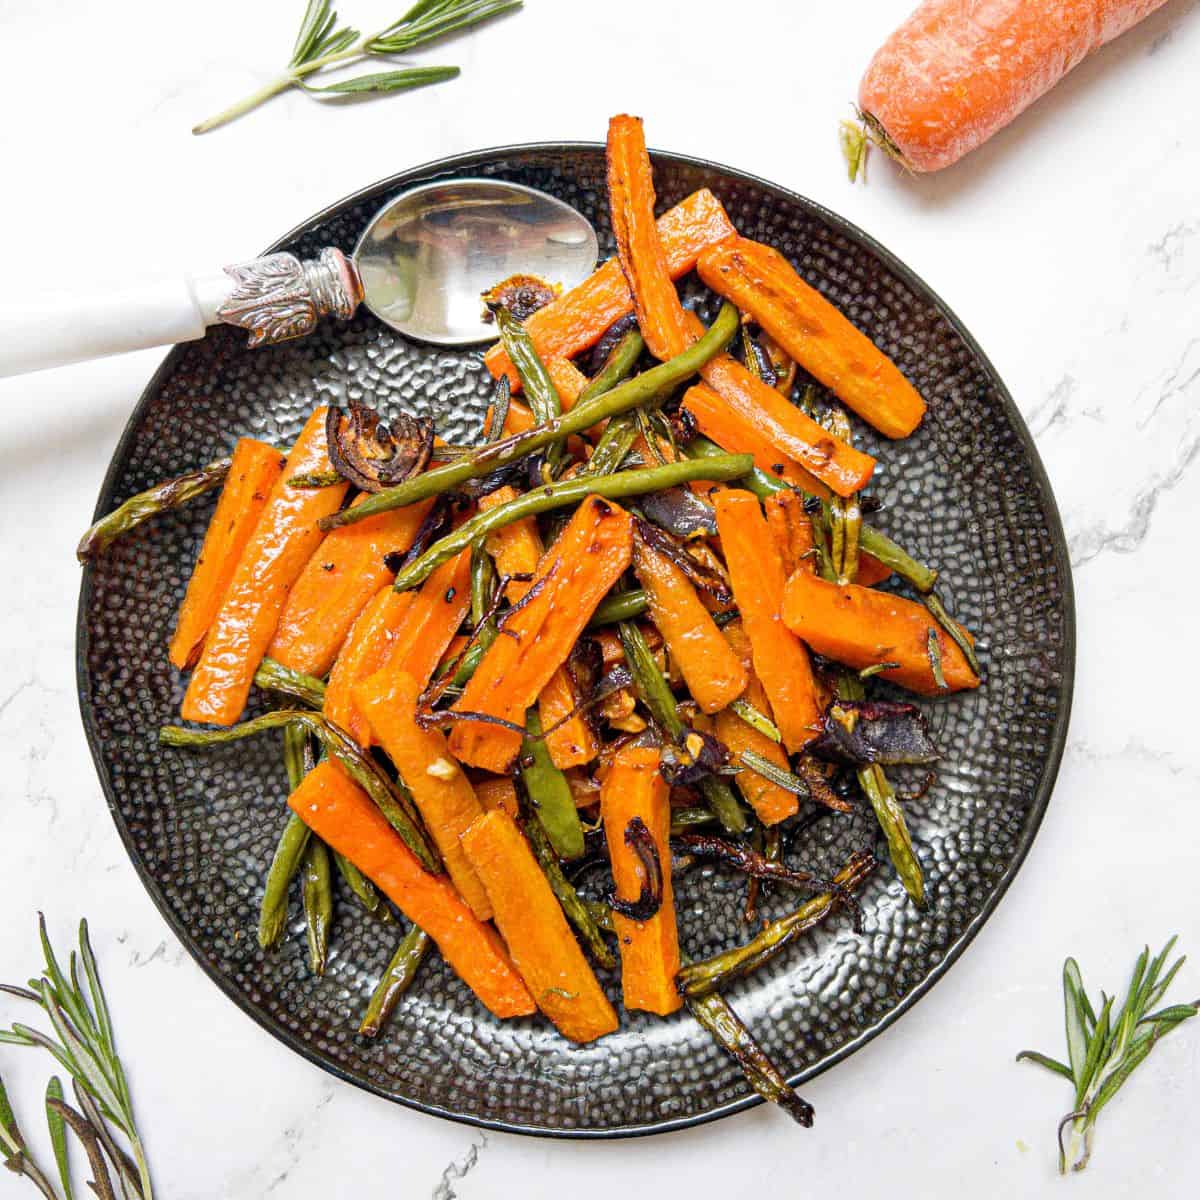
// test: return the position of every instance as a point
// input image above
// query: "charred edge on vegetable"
(680, 512)
(521, 295)
(372, 455)
(599, 356)
(435, 522)
(497, 413)
(662, 542)
(866, 732)
(640, 840)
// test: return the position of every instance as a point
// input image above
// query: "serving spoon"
(421, 266)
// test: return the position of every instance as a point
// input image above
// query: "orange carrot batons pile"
(252, 474)
(573, 576)
(761, 282)
(954, 73)
(538, 936)
(861, 627)
(283, 541)
(634, 790)
(344, 818)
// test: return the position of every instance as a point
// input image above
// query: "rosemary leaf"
(58, 1134)
(385, 81)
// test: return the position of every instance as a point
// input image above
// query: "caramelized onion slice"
(372, 455)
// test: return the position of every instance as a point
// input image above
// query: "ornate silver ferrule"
(278, 297)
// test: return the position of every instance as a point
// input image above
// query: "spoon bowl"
(427, 257)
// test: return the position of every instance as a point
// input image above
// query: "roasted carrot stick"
(791, 531)
(837, 464)
(639, 248)
(756, 572)
(367, 647)
(860, 627)
(498, 791)
(760, 281)
(770, 802)
(871, 571)
(953, 74)
(432, 620)
(442, 793)
(516, 549)
(733, 431)
(538, 936)
(336, 583)
(572, 577)
(633, 790)
(252, 474)
(713, 673)
(344, 818)
(577, 320)
(283, 541)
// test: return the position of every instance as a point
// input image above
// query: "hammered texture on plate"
(965, 494)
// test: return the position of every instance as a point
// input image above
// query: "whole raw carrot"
(336, 583)
(760, 281)
(633, 790)
(957, 71)
(344, 818)
(770, 802)
(713, 672)
(579, 318)
(536, 931)
(862, 627)
(367, 648)
(283, 541)
(572, 578)
(252, 474)
(442, 793)
(756, 572)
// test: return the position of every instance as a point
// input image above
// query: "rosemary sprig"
(322, 43)
(1104, 1049)
(84, 1046)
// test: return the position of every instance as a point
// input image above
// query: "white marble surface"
(1070, 246)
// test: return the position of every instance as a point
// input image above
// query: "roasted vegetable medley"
(633, 630)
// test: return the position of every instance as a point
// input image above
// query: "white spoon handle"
(276, 297)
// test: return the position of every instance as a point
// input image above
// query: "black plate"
(967, 494)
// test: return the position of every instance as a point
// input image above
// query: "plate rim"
(412, 176)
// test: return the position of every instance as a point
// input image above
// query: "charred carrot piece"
(733, 431)
(634, 791)
(950, 76)
(578, 319)
(348, 568)
(792, 532)
(860, 627)
(770, 802)
(344, 818)
(498, 792)
(639, 248)
(432, 621)
(516, 549)
(252, 474)
(713, 673)
(572, 578)
(538, 936)
(442, 793)
(366, 650)
(760, 281)
(780, 660)
(283, 541)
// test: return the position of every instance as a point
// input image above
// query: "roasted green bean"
(318, 902)
(642, 389)
(272, 913)
(560, 495)
(363, 889)
(275, 677)
(540, 391)
(620, 362)
(619, 606)
(549, 792)
(162, 497)
(397, 979)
